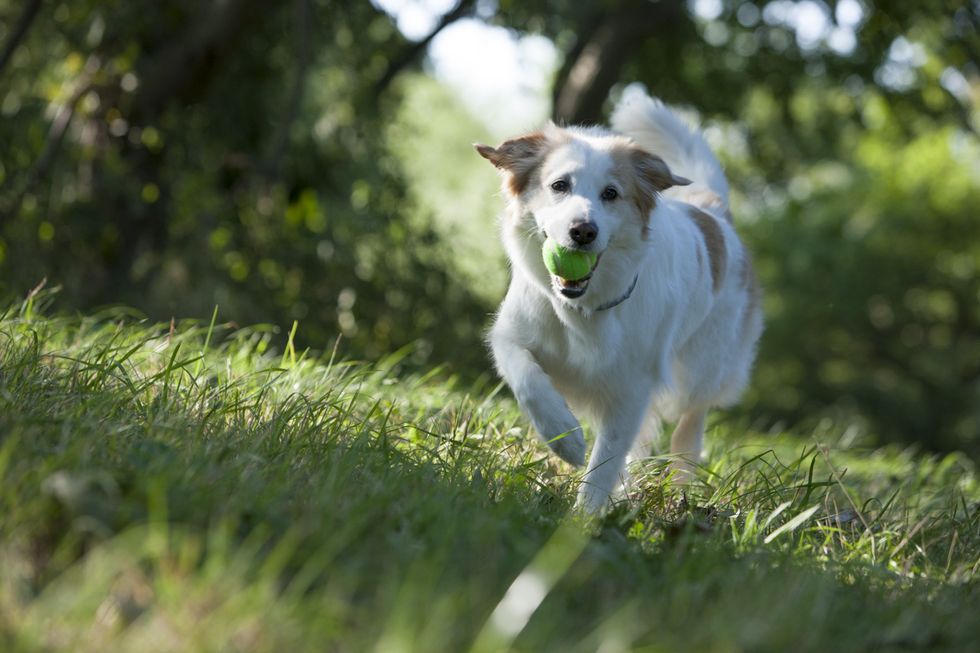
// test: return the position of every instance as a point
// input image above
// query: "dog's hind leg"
(647, 437)
(686, 443)
(644, 445)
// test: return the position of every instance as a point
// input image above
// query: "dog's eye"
(560, 186)
(610, 193)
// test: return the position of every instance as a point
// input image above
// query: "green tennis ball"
(570, 264)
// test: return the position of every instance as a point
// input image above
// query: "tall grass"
(186, 487)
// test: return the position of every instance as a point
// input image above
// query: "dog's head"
(587, 189)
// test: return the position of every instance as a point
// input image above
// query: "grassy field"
(186, 488)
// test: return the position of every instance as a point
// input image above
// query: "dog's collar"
(622, 298)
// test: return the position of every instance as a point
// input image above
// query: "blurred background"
(311, 161)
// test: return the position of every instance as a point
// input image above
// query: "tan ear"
(516, 158)
(655, 172)
(646, 175)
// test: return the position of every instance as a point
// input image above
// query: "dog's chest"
(584, 353)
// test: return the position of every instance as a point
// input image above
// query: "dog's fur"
(682, 342)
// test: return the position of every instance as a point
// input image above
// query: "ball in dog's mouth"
(576, 288)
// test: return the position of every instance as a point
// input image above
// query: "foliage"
(185, 487)
(873, 288)
(432, 132)
(229, 182)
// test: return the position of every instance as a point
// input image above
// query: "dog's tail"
(654, 127)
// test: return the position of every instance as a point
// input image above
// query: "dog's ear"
(654, 172)
(516, 158)
(646, 175)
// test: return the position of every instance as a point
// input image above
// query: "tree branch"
(17, 35)
(415, 50)
(56, 134)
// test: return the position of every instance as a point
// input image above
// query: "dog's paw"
(592, 501)
(558, 428)
(569, 446)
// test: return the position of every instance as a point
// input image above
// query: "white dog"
(668, 320)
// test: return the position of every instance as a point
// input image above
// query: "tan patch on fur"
(750, 283)
(714, 242)
(706, 199)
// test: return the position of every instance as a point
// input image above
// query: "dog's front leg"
(618, 427)
(539, 400)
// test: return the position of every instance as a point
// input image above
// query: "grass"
(185, 488)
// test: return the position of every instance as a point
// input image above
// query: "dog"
(667, 323)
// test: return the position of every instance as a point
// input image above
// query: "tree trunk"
(185, 67)
(280, 137)
(600, 56)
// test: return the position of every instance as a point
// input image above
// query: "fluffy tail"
(659, 130)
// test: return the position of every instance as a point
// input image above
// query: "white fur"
(676, 347)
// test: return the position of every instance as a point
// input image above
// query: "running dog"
(667, 322)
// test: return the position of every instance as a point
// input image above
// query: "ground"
(183, 487)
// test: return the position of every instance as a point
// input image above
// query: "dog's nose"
(583, 233)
